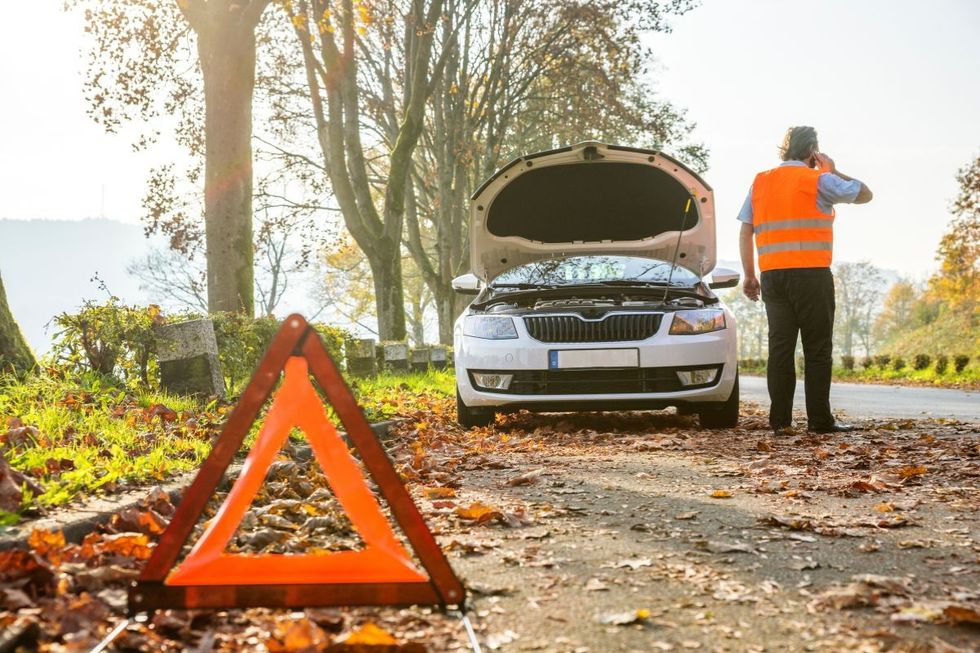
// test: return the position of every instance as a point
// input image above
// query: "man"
(790, 211)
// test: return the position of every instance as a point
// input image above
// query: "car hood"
(592, 198)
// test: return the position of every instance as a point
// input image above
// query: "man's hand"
(751, 288)
(824, 162)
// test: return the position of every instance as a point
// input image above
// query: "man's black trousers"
(800, 302)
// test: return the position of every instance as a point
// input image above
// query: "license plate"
(583, 358)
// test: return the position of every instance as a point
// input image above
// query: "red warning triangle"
(381, 574)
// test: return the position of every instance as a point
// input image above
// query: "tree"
(958, 280)
(14, 352)
(137, 67)
(341, 49)
(753, 326)
(522, 77)
(858, 292)
(898, 310)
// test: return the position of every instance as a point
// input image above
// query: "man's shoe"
(783, 431)
(836, 427)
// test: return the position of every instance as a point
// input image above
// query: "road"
(857, 400)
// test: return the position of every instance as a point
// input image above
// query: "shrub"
(921, 361)
(109, 338)
(867, 362)
(847, 362)
(242, 341)
(942, 362)
(960, 361)
(898, 363)
(882, 360)
(114, 339)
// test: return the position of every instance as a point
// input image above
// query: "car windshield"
(579, 270)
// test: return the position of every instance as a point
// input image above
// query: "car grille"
(598, 381)
(571, 328)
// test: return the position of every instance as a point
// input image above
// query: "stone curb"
(79, 520)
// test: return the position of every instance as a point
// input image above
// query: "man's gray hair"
(798, 144)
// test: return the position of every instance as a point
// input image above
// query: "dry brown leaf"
(49, 544)
(132, 545)
(297, 636)
(958, 614)
(721, 494)
(529, 478)
(439, 493)
(369, 634)
(911, 471)
(478, 512)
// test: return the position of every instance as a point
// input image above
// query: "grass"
(968, 378)
(93, 435)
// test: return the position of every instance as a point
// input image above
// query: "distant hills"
(48, 267)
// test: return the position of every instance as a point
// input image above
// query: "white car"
(590, 265)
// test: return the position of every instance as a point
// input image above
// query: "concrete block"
(361, 359)
(438, 357)
(187, 353)
(396, 356)
(420, 359)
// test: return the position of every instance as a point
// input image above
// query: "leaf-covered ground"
(594, 532)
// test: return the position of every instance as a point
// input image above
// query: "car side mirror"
(466, 284)
(724, 278)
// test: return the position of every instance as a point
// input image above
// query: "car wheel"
(470, 417)
(725, 417)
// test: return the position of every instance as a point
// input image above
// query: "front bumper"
(651, 385)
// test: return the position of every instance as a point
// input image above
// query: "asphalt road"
(857, 400)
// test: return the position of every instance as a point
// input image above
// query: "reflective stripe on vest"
(790, 231)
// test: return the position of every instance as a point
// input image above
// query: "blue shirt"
(831, 190)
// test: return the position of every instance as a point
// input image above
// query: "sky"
(892, 87)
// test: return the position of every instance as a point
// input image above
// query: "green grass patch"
(83, 435)
(969, 377)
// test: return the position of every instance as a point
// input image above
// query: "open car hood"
(591, 198)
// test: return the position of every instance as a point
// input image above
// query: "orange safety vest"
(790, 231)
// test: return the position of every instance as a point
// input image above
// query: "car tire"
(470, 417)
(726, 416)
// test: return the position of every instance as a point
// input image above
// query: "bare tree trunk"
(389, 294)
(14, 351)
(227, 54)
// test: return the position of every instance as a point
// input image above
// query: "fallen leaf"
(369, 634)
(724, 547)
(297, 636)
(911, 471)
(625, 618)
(49, 544)
(635, 563)
(721, 494)
(439, 492)
(687, 515)
(478, 512)
(958, 614)
(596, 585)
(530, 478)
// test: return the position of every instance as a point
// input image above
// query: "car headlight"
(490, 327)
(705, 320)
